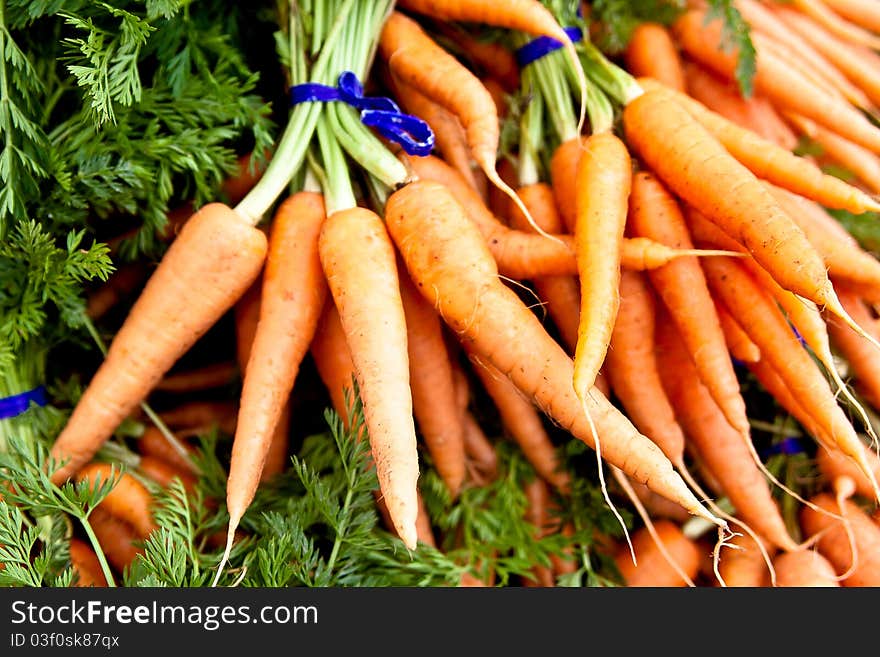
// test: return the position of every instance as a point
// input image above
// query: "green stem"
(99, 552)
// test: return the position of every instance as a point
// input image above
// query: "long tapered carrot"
(332, 358)
(482, 459)
(291, 300)
(561, 294)
(776, 80)
(632, 368)
(521, 255)
(834, 23)
(433, 387)
(205, 270)
(740, 344)
(864, 13)
(736, 200)
(452, 266)
(762, 319)
(755, 113)
(214, 375)
(768, 161)
(358, 259)
(681, 285)
(833, 463)
(604, 176)
(523, 422)
(652, 52)
(720, 447)
(490, 58)
(129, 499)
(863, 359)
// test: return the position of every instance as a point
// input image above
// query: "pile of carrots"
(620, 297)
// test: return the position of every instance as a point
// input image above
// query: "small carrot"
(768, 161)
(651, 568)
(453, 267)
(740, 344)
(743, 563)
(85, 564)
(198, 379)
(117, 538)
(853, 548)
(129, 499)
(163, 472)
(153, 443)
(481, 454)
(604, 179)
(433, 386)
(200, 414)
(524, 424)
(207, 268)
(652, 52)
(804, 568)
(358, 259)
(682, 287)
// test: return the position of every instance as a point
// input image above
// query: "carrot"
(117, 538)
(498, 202)
(855, 63)
(720, 447)
(153, 443)
(763, 321)
(433, 387)
(632, 368)
(332, 358)
(740, 205)
(604, 178)
(774, 78)
(202, 378)
(743, 563)
(416, 59)
(835, 24)
(163, 473)
(85, 564)
(424, 531)
(652, 568)
(561, 294)
(490, 58)
(805, 568)
(740, 344)
(651, 52)
(121, 283)
(246, 175)
(857, 160)
(833, 463)
(864, 13)
(862, 358)
(854, 548)
(358, 259)
(128, 500)
(452, 266)
(291, 300)
(657, 506)
(521, 255)
(482, 458)
(764, 158)
(755, 113)
(198, 414)
(206, 269)
(682, 287)
(563, 164)
(523, 422)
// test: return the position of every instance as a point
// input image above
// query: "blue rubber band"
(18, 404)
(789, 445)
(544, 45)
(412, 133)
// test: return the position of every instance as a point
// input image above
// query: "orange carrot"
(651, 568)
(720, 447)
(201, 378)
(433, 387)
(682, 287)
(121, 283)
(834, 23)
(861, 356)
(740, 344)
(774, 78)
(864, 13)
(199, 414)
(563, 165)
(332, 358)
(358, 259)
(85, 564)
(804, 568)
(651, 52)
(153, 443)
(129, 499)
(632, 368)
(482, 458)
(163, 473)
(764, 158)
(117, 538)
(491, 58)
(561, 294)
(207, 268)
(657, 506)
(755, 113)
(833, 463)
(743, 564)
(604, 178)
(853, 548)
(523, 422)
(453, 267)
(291, 300)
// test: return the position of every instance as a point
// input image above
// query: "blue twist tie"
(411, 132)
(544, 45)
(789, 445)
(18, 404)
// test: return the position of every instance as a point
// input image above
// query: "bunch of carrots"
(642, 238)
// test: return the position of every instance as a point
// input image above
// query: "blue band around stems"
(411, 132)
(544, 45)
(18, 404)
(789, 445)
